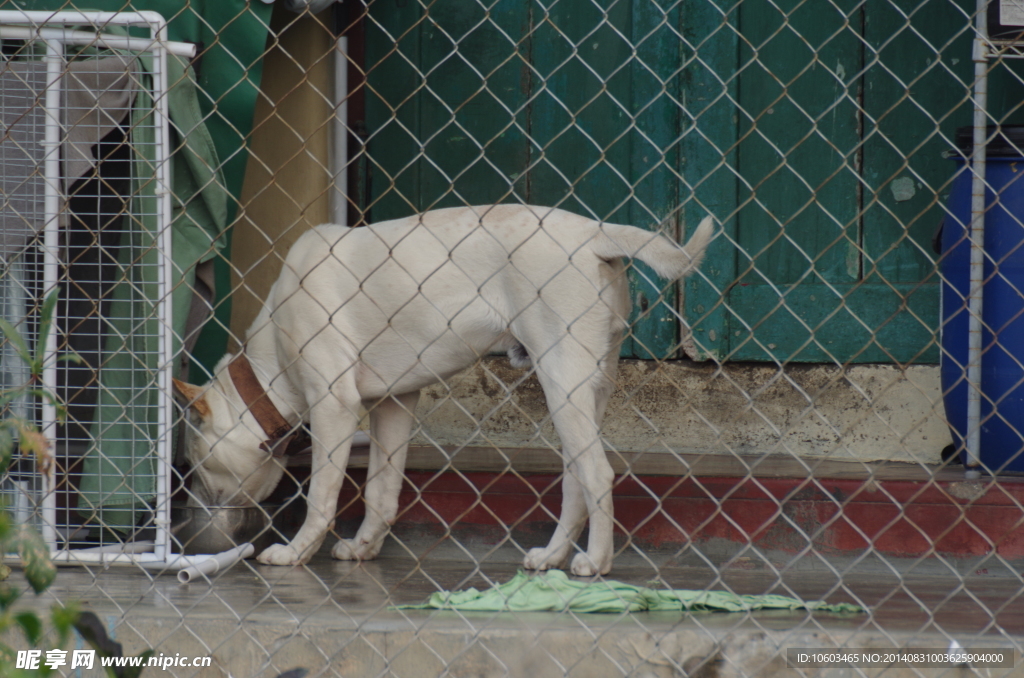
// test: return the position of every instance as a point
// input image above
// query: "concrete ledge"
(855, 413)
(549, 460)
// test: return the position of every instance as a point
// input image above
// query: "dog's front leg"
(391, 421)
(333, 422)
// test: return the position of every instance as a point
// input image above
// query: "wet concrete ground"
(333, 617)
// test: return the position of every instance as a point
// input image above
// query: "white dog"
(369, 316)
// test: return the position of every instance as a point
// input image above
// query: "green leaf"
(8, 595)
(64, 619)
(6, 654)
(51, 399)
(45, 322)
(71, 358)
(16, 340)
(6, 449)
(31, 625)
(43, 394)
(39, 569)
(6, 526)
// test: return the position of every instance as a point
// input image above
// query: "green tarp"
(553, 591)
(120, 467)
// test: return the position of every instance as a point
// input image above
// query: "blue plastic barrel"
(1002, 378)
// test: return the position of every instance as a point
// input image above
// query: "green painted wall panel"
(393, 108)
(799, 139)
(580, 111)
(708, 162)
(472, 103)
(906, 178)
(519, 104)
(839, 323)
(788, 120)
(655, 135)
(844, 112)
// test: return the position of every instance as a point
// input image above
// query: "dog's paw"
(280, 554)
(352, 549)
(584, 566)
(541, 559)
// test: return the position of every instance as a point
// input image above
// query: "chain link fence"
(826, 406)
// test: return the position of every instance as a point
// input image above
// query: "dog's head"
(222, 444)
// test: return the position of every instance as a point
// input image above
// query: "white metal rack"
(55, 31)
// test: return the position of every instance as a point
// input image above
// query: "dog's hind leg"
(334, 417)
(570, 523)
(391, 422)
(571, 379)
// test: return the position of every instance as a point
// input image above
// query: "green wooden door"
(517, 104)
(845, 109)
(789, 120)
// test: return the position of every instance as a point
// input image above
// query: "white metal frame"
(50, 29)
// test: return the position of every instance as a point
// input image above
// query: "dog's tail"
(668, 259)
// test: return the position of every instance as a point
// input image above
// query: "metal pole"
(975, 302)
(51, 269)
(165, 405)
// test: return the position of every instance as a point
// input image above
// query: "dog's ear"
(192, 396)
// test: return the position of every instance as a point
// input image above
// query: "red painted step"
(840, 516)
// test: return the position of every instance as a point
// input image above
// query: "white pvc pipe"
(216, 563)
(975, 299)
(73, 37)
(187, 567)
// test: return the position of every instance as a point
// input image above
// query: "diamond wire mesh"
(779, 418)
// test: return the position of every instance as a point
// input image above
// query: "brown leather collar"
(282, 438)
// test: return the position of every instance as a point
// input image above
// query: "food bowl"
(213, 529)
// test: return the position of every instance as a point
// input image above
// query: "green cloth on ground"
(553, 591)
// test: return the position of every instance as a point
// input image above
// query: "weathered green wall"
(813, 130)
